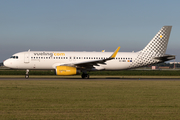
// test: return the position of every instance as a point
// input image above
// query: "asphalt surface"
(79, 79)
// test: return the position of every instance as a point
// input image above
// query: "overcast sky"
(85, 25)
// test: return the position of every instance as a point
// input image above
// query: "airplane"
(72, 63)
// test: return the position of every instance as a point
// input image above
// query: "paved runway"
(94, 79)
(78, 77)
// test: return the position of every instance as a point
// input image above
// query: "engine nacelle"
(66, 70)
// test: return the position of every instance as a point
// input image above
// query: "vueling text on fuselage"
(59, 54)
(49, 54)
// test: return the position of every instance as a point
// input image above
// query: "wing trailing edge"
(90, 64)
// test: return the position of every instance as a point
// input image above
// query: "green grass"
(89, 99)
(23, 72)
(101, 73)
(139, 72)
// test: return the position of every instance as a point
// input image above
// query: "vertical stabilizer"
(158, 45)
(156, 48)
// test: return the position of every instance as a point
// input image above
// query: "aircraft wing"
(90, 64)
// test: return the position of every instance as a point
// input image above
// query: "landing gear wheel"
(26, 76)
(85, 76)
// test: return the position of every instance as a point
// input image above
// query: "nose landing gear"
(27, 74)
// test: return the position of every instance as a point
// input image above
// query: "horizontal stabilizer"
(165, 57)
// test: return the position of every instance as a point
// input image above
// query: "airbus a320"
(72, 63)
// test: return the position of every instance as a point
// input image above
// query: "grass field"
(89, 99)
(99, 73)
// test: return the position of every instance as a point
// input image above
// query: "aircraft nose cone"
(5, 63)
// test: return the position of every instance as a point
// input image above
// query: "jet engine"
(66, 70)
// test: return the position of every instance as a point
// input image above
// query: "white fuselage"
(71, 63)
(51, 59)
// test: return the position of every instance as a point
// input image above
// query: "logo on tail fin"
(155, 48)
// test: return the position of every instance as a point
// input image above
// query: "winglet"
(115, 53)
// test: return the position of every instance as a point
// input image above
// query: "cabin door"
(26, 58)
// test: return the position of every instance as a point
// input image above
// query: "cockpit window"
(14, 57)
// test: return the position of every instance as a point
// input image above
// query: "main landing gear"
(27, 74)
(85, 76)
